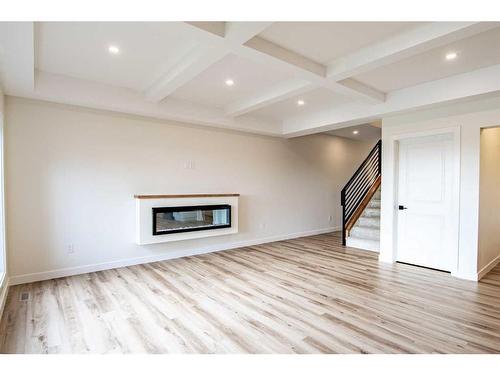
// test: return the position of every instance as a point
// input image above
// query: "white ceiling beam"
(199, 57)
(464, 86)
(235, 33)
(337, 76)
(277, 93)
(361, 88)
(239, 39)
(238, 33)
(216, 28)
(266, 52)
(195, 61)
(287, 56)
(73, 91)
(404, 45)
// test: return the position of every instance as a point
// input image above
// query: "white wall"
(2, 237)
(3, 255)
(489, 198)
(71, 174)
(469, 117)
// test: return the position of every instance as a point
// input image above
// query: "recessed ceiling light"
(114, 50)
(300, 102)
(355, 132)
(451, 56)
(229, 82)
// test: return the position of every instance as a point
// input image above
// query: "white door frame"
(455, 132)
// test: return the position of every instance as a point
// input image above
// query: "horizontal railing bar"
(373, 151)
(360, 197)
(366, 174)
(368, 168)
(351, 205)
(360, 174)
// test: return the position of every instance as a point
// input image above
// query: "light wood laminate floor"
(308, 295)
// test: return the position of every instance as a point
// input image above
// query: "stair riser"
(371, 212)
(371, 222)
(363, 244)
(365, 233)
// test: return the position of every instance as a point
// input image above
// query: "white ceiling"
(209, 87)
(314, 100)
(79, 49)
(474, 53)
(337, 38)
(347, 73)
(365, 132)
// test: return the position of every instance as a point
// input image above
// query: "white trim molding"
(483, 271)
(388, 229)
(4, 289)
(71, 271)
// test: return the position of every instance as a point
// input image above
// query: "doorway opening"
(489, 200)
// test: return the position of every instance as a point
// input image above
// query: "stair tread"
(366, 227)
(365, 233)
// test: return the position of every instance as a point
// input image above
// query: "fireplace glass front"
(167, 220)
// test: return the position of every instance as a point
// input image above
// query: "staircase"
(360, 200)
(365, 234)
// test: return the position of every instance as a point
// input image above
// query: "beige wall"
(489, 197)
(71, 174)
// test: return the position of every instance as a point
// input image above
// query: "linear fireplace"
(168, 220)
(176, 217)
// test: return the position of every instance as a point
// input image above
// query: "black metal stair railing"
(359, 185)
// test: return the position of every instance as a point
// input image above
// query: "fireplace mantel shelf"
(159, 196)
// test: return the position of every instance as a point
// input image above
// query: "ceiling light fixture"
(451, 56)
(229, 82)
(355, 132)
(114, 50)
(300, 102)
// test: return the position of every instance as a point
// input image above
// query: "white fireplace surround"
(144, 215)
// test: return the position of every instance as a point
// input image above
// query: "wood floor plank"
(307, 295)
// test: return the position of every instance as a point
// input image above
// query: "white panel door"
(425, 202)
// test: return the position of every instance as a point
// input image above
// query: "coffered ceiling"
(282, 78)
(338, 38)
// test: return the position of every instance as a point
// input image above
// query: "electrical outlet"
(70, 249)
(330, 218)
(262, 226)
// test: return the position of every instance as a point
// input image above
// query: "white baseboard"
(483, 271)
(4, 288)
(62, 272)
(465, 276)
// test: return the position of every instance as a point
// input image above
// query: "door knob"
(401, 207)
